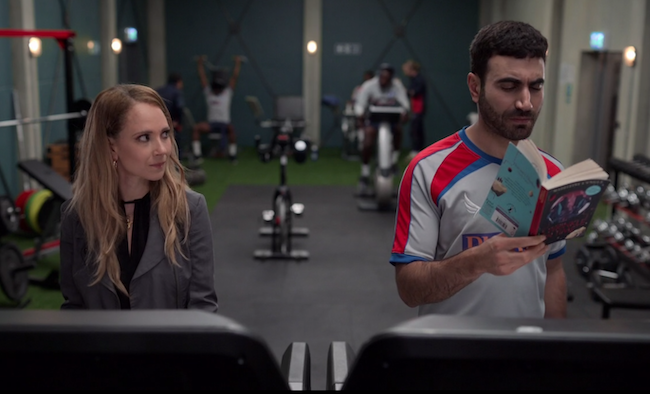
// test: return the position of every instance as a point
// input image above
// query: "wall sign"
(347, 48)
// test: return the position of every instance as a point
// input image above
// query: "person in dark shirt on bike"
(172, 95)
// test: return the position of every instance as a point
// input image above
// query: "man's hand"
(503, 255)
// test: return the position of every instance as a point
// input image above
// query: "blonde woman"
(134, 235)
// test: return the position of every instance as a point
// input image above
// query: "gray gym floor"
(345, 291)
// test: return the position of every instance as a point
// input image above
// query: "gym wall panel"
(436, 33)
(132, 63)
(268, 33)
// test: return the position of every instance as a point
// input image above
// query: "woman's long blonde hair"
(96, 197)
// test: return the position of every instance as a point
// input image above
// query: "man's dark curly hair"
(505, 38)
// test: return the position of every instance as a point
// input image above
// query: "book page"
(528, 148)
(584, 170)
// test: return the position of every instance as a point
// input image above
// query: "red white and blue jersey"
(437, 217)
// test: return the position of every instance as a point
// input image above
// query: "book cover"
(512, 199)
(519, 204)
(567, 210)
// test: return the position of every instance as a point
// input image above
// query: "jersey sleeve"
(557, 249)
(417, 221)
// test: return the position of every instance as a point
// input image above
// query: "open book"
(524, 200)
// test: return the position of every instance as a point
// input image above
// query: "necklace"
(128, 219)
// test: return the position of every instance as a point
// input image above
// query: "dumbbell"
(633, 202)
(592, 237)
(641, 191)
(595, 257)
(610, 193)
(630, 245)
(643, 256)
(622, 193)
(646, 199)
(601, 226)
(619, 237)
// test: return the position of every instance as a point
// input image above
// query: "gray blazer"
(156, 283)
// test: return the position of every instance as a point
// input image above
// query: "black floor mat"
(345, 291)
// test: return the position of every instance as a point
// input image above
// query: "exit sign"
(597, 40)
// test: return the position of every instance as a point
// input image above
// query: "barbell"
(79, 108)
(40, 119)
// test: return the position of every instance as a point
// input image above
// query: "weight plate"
(44, 213)
(8, 216)
(21, 206)
(14, 278)
(34, 205)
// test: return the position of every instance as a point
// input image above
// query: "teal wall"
(437, 34)
(270, 35)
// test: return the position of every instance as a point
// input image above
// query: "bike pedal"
(267, 215)
(297, 209)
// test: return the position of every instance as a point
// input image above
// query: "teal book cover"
(512, 199)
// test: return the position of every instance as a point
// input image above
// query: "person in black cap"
(381, 90)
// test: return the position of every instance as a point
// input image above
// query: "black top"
(140, 231)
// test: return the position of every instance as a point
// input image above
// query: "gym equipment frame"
(148, 350)
(280, 217)
(445, 352)
(64, 39)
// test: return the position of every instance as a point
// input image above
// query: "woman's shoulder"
(68, 212)
(194, 197)
(67, 208)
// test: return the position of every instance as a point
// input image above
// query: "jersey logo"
(472, 240)
(470, 205)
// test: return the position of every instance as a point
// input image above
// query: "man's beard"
(497, 124)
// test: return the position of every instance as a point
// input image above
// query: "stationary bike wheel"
(383, 189)
(282, 224)
(383, 172)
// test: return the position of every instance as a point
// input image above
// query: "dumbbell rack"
(615, 260)
(629, 236)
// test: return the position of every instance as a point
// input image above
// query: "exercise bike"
(382, 198)
(279, 220)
